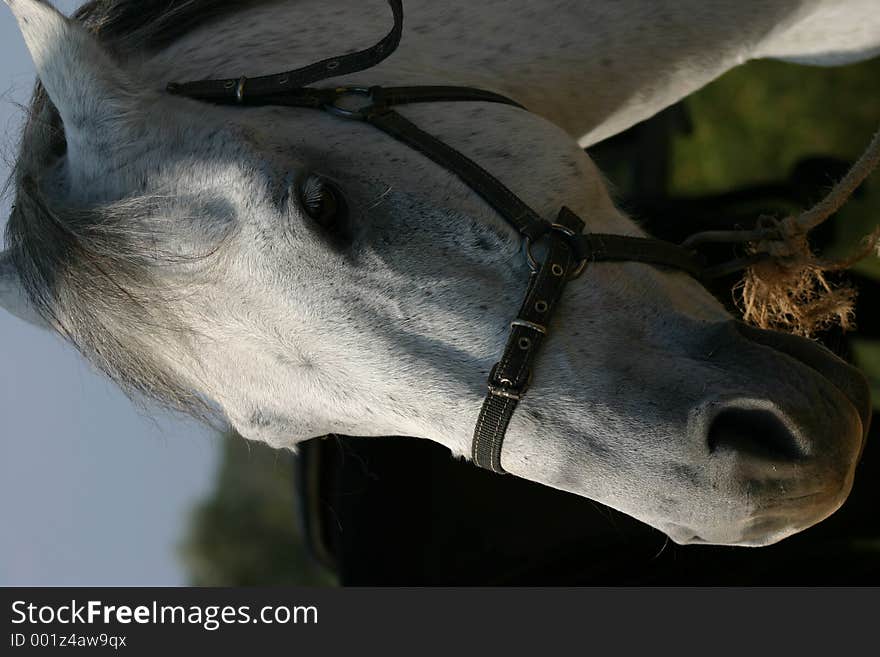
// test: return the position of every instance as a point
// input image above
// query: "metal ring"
(565, 230)
(568, 232)
(577, 271)
(358, 114)
(535, 266)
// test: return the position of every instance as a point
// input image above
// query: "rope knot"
(790, 290)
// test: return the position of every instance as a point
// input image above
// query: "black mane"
(152, 24)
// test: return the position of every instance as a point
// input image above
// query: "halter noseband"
(568, 248)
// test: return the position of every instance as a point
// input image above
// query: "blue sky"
(93, 491)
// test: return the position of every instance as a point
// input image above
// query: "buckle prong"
(505, 387)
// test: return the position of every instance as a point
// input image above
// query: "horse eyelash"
(312, 193)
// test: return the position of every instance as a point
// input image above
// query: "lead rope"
(841, 192)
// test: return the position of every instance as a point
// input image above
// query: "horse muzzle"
(781, 453)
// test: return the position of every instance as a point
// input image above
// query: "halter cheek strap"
(510, 378)
(568, 249)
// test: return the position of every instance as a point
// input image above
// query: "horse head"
(300, 275)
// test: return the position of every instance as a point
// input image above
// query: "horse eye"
(322, 201)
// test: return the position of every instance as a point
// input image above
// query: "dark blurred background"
(766, 138)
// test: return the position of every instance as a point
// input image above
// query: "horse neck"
(593, 68)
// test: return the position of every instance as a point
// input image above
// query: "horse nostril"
(754, 432)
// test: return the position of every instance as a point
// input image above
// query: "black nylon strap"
(229, 90)
(521, 216)
(388, 96)
(600, 247)
(509, 379)
(323, 97)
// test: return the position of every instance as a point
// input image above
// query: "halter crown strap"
(231, 90)
(510, 378)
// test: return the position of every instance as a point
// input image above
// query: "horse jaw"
(94, 97)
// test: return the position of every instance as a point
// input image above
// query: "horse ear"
(12, 295)
(93, 95)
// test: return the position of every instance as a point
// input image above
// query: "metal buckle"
(568, 233)
(505, 387)
(540, 328)
(358, 114)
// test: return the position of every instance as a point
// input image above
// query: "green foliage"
(753, 123)
(245, 532)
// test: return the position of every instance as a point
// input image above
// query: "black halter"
(568, 248)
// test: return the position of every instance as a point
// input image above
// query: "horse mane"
(152, 24)
(90, 272)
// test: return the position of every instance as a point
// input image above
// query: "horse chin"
(789, 517)
(766, 519)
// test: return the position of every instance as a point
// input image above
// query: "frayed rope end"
(792, 293)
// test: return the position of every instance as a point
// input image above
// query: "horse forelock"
(91, 271)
